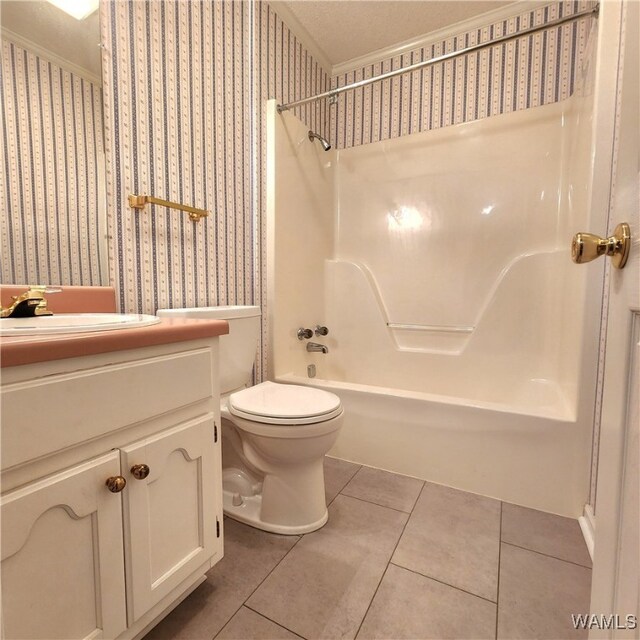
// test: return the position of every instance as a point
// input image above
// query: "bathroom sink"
(74, 323)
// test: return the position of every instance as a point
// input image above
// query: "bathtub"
(530, 458)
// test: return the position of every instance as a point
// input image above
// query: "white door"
(617, 536)
(172, 510)
(62, 560)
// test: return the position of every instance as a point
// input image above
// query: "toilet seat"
(284, 404)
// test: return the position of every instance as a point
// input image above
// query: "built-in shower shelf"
(432, 338)
(431, 327)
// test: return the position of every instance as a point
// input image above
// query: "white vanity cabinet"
(171, 524)
(82, 561)
(62, 556)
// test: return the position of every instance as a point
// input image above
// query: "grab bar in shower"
(431, 327)
(139, 202)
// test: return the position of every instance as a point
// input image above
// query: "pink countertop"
(20, 350)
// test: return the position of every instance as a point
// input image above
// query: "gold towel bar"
(139, 202)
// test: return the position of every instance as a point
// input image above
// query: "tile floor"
(399, 558)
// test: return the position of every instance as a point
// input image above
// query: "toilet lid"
(273, 403)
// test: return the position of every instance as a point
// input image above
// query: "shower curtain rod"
(334, 93)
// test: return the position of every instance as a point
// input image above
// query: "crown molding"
(481, 20)
(40, 51)
(287, 16)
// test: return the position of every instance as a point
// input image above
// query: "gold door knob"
(140, 471)
(116, 484)
(587, 246)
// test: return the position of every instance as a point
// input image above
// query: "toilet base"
(249, 513)
(273, 475)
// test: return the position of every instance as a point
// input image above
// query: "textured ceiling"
(52, 29)
(346, 29)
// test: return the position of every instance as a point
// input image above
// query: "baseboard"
(588, 525)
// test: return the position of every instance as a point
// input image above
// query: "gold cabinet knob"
(140, 471)
(116, 484)
(587, 246)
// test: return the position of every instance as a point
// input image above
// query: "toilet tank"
(238, 348)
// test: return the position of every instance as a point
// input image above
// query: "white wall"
(437, 216)
(459, 233)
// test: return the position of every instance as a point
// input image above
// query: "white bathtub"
(485, 448)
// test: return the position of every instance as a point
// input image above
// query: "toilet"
(274, 436)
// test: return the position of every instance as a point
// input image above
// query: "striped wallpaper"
(177, 127)
(181, 86)
(520, 74)
(52, 150)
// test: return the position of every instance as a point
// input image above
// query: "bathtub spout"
(316, 347)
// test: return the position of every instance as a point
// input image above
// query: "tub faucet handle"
(304, 334)
(321, 331)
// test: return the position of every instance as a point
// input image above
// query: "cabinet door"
(62, 559)
(171, 515)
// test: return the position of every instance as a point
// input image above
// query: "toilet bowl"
(283, 433)
(274, 436)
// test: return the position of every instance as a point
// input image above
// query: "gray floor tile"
(384, 488)
(544, 532)
(454, 537)
(250, 555)
(337, 474)
(323, 587)
(249, 625)
(408, 605)
(538, 594)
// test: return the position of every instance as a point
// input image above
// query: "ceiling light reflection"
(404, 219)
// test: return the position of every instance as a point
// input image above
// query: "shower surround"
(459, 329)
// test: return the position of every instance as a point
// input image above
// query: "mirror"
(53, 222)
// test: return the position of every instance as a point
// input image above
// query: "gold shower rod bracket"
(139, 202)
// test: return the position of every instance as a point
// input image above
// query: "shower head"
(325, 144)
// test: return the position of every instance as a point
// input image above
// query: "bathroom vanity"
(111, 478)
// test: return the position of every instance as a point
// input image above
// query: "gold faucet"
(29, 304)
